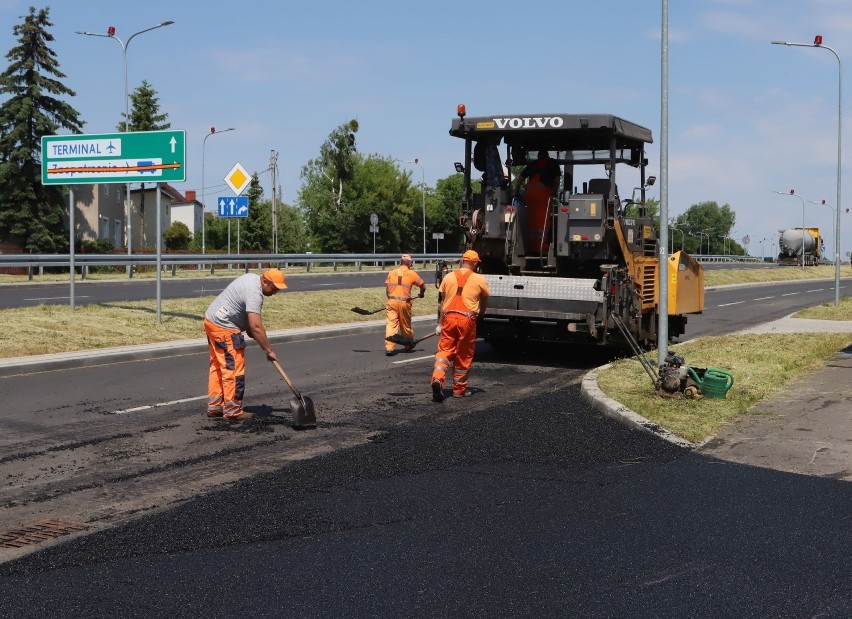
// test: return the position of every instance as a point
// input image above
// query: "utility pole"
(273, 166)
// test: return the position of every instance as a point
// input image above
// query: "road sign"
(238, 179)
(374, 228)
(438, 236)
(374, 219)
(233, 207)
(136, 157)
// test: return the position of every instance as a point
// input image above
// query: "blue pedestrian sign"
(238, 206)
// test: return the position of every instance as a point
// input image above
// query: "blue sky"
(746, 118)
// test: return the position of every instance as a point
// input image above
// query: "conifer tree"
(144, 116)
(31, 214)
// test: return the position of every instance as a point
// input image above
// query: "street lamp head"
(168, 22)
(780, 43)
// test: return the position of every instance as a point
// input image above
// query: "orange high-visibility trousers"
(227, 380)
(455, 346)
(539, 217)
(398, 321)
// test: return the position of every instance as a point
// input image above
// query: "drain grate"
(37, 532)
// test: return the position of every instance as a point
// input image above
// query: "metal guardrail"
(37, 262)
(726, 258)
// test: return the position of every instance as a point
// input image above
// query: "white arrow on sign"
(173, 141)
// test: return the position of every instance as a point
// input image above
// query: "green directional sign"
(137, 157)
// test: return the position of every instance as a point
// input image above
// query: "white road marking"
(727, 304)
(158, 405)
(76, 296)
(789, 294)
(318, 285)
(415, 359)
(209, 290)
(764, 298)
(817, 290)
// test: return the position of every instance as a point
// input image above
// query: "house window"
(103, 233)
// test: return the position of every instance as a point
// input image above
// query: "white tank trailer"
(790, 246)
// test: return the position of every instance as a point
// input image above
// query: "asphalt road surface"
(518, 501)
(90, 292)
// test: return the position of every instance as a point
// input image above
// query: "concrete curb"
(599, 401)
(89, 358)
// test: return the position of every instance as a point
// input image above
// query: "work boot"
(214, 413)
(464, 394)
(241, 416)
(437, 393)
(390, 353)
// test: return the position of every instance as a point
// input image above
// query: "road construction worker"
(542, 183)
(398, 287)
(463, 296)
(236, 309)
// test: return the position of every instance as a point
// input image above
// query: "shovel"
(399, 338)
(364, 312)
(301, 406)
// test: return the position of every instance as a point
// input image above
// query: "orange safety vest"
(456, 304)
(405, 280)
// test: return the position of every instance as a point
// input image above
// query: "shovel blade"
(303, 413)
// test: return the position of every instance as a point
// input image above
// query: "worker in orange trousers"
(398, 286)
(463, 297)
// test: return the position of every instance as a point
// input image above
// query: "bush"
(177, 236)
(100, 246)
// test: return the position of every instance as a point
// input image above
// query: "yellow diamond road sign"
(238, 179)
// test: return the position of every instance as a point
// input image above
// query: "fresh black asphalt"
(537, 508)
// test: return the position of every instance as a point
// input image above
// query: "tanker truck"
(584, 267)
(792, 242)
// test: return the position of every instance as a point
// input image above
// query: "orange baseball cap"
(276, 276)
(470, 256)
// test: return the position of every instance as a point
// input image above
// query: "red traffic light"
(111, 31)
(818, 39)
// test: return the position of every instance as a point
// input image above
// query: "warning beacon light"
(792, 192)
(461, 111)
(212, 129)
(111, 31)
(818, 40)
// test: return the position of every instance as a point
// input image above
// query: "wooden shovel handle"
(287, 379)
(425, 337)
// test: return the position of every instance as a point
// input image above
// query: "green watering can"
(713, 382)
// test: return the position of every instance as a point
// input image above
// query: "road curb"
(598, 400)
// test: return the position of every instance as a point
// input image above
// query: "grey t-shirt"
(230, 309)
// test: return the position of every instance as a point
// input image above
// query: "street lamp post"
(111, 35)
(203, 203)
(818, 43)
(422, 195)
(793, 193)
(823, 202)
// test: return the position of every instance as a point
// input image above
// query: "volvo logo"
(529, 122)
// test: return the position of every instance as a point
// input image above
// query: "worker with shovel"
(398, 287)
(236, 309)
(463, 296)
